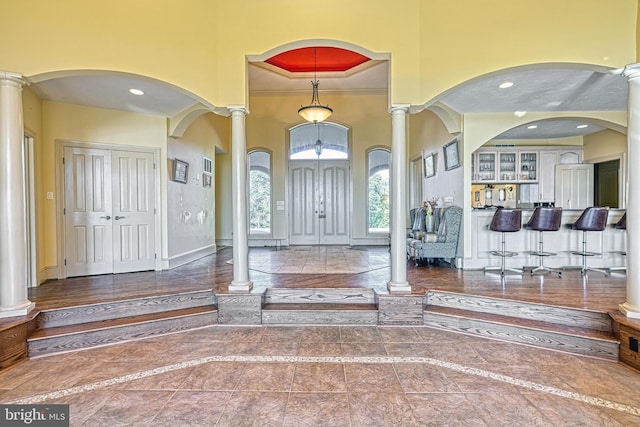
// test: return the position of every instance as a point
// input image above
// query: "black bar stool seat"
(505, 221)
(544, 219)
(591, 219)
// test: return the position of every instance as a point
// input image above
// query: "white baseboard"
(178, 260)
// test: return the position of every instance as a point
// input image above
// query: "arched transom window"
(318, 141)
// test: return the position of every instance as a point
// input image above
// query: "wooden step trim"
(319, 307)
(568, 316)
(320, 295)
(538, 325)
(70, 315)
(119, 322)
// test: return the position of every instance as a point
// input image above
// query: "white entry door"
(109, 211)
(319, 202)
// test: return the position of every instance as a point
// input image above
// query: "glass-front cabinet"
(528, 170)
(485, 167)
(507, 166)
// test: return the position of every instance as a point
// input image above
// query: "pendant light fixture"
(318, 145)
(314, 112)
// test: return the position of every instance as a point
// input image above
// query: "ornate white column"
(241, 282)
(398, 212)
(13, 232)
(631, 308)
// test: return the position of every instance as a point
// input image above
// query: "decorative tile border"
(591, 400)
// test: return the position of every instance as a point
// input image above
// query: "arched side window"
(311, 141)
(259, 162)
(378, 164)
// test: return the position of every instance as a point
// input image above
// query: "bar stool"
(544, 219)
(505, 221)
(591, 219)
(620, 225)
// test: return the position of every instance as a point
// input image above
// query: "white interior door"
(574, 186)
(109, 211)
(319, 207)
(88, 217)
(133, 212)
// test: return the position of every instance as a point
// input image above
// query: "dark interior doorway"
(606, 176)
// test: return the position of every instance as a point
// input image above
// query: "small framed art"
(451, 155)
(180, 171)
(429, 165)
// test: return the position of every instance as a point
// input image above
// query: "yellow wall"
(66, 122)
(201, 45)
(604, 144)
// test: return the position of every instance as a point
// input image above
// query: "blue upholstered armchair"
(443, 243)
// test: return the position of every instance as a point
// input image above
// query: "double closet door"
(109, 211)
(319, 202)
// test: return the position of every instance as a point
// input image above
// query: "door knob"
(119, 217)
(106, 217)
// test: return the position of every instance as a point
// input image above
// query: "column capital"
(13, 77)
(238, 109)
(397, 108)
(631, 71)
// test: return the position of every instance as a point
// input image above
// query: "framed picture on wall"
(180, 171)
(429, 165)
(451, 155)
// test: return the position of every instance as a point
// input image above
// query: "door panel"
(87, 211)
(319, 209)
(133, 210)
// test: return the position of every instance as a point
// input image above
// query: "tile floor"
(327, 376)
(319, 260)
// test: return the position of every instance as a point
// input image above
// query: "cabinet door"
(486, 166)
(507, 166)
(528, 166)
(574, 186)
(546, 178)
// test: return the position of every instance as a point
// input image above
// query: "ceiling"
(541, 90)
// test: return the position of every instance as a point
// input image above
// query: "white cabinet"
(574, 186)
(485, 166)
(528, 166)
(546, 176)
(507, 166)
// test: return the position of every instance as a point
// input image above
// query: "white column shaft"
(240, 281)
(398, 213)
(632, 306)
(13, 242)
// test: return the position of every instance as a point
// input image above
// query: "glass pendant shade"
(315, 112)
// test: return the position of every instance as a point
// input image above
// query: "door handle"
(119, 217)
(106, 217)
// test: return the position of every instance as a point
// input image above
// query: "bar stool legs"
(505, 221)
(592, 219)
(503, 254)
(540, 253)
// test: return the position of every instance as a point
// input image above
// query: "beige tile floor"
(327, 376)
(319, 260)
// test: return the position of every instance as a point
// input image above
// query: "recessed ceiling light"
(519, 113)
(582, 126)
(532, 127)
(505, 85)
(136, 91)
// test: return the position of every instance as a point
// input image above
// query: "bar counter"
(609, 243)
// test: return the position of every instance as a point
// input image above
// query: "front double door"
(319, 202)
(109, 211)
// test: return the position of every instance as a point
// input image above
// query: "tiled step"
(552, 336)
(319, 314)
(86, 335)
(522, 310)
(50, 318)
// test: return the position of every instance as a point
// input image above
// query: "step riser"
(119, 309)
(314, 296)
(319, 317)
(517, 334)
(558, 315)
(83, 340)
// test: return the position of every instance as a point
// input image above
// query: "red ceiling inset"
(321, 59)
